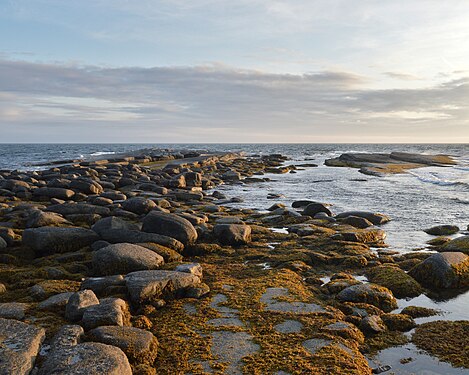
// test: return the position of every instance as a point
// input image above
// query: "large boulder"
(170, 225)
(443, 270)
(78, 208)
(89, 358)
(113, 223)
(147, 286)
(395, 279)
(139, 345)
(54, 192)
(19, 346)
(138, 205)
(86, 186)
(368, 236)
(375, 218)
(372, 294)
(458, 244)
(50, 240)
(442, 230)
(123, 258)
(232, 234)
(110, 311)
(315, 208)
(77, 304)
(38, 219)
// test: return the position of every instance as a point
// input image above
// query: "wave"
(450, 177)
(99, 153)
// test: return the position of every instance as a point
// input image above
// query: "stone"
(19, 346)
(419, 311)
(198, 291)
(110, 311)
(123, 258)
(86, 186)
(147, 286)
(458, 244)
(78, 208)
(443, 270)
(67, 337)
(375, 218)
(112, 223)
(139, 345)
(372, 294)
(442, 230)
(232, 234)
(138, 205)
(50, 240)
(90, 358)
(78, 303)
(42, 219)
(398, 281)
(398, 322)
(315, 208)
(289, 326)
(170, 225)
(368, 236)
(357, 222)
(55, 302)
(54, 192)
(192, 268)
(102, 286)
(169, 255)
(371, 325)
(12, 310)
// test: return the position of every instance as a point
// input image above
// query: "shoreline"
(252, 285)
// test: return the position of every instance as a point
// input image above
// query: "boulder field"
(138, 265)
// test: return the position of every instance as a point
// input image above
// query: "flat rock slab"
(90, 358)
(272, 304)
(229, 316)
(314, 345)
(19, 346)
(12, 310)
(289, 326)
(231, 347)
(145, 286)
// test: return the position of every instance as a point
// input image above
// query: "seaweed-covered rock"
(368, 236)
(139, 345)
(443, 270)
(372, 294)
(442, 230)
(458, 244)
(170, 225)
(232, 234)
(123, 258)
(375, 218)
(50, 240)
(357, 222)
(419, 311)
(371, 325)
(19, 346)
(446, 340)
(395, 279)
(398, 322)
(147, 286)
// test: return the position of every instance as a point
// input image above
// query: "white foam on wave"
(449, 176)
(99, 153)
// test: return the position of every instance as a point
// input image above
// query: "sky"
(251, 71)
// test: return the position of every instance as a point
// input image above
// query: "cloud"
(66, 102)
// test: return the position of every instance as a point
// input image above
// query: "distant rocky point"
(377, 164)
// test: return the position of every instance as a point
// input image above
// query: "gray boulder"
(375, 218)
(55, 302)
(315, 208)
(232, 234)
(113, 223)
(110, 311)
(86, 186)
(38, 219)
(79, 208)
(123, 258)
(147, 286)
(458, 244)
(19, 346)
(442, 230)
(138, 205)
(78, 303)
(12, 310)
(443, 270)
(90, 358)
(372, 294)
(54, 192)
(139, 345)
(170, 225)
(50, 240)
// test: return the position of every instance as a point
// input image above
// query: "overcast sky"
(234, 71)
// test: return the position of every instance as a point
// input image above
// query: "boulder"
(375, 218)
(357, 222)
(443, 270)
(19, 346)
(110, 311)
(138, 205)
(78, 303)
(372, 324)
(90, 358)
(232, 234)
(113, 223)
(139, 345)
(78, 208)
(398, 322)
(86, 186)
(458, 244)
(368, 236)
(192, 268)
(170, 225)
(43, 219)
(398, 281)
(123, 258)
(147, 286)
(54, 192)
(12, 310)
(442, 230)
(55, 302)
(50, 240)
(315, 208)
(372, 294)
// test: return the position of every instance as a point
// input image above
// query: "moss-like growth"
(395, 279)
(419, 312)
(398, 322)
(449, 341)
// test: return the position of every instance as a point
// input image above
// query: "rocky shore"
(135, 265)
